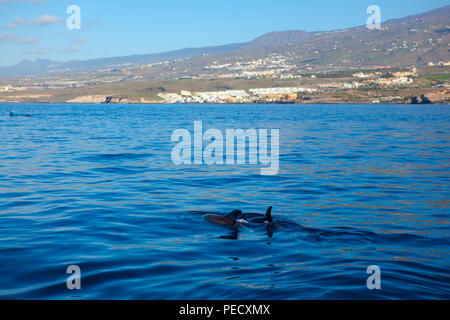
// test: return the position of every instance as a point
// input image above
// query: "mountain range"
(412, 40)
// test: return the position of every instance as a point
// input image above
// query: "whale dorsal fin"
(233, 215)
(269, 215)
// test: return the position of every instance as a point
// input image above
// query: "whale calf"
(228, 220)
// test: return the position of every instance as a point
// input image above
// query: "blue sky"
(36, 29)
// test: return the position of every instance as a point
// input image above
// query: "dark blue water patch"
(95, 186)
(7, 195)
(116, 170)
(118, 157)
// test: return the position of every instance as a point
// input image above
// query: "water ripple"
(94, 186)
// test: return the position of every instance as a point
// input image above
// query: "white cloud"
(75, 49)
(28, 41)
(12, 38)
(10, 26)
(19, 20)
(79, 39)
(7, 37)
(13, 24)
(46, 19)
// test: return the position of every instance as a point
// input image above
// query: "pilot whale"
(259, 218)
(228, 220)
(254, 219)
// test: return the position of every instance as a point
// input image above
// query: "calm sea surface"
(94, 186)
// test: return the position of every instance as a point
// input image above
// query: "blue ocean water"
(94, 186)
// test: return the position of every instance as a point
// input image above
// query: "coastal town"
(361, 80)
(237, 96)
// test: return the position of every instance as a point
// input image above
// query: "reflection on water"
(94, 185)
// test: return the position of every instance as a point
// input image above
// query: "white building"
(268, 91)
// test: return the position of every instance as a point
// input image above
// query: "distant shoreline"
(218, 104)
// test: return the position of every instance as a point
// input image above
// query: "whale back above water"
(258, 218)
(228, 220)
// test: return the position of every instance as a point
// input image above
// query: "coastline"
(215, 104)
(386, 96)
